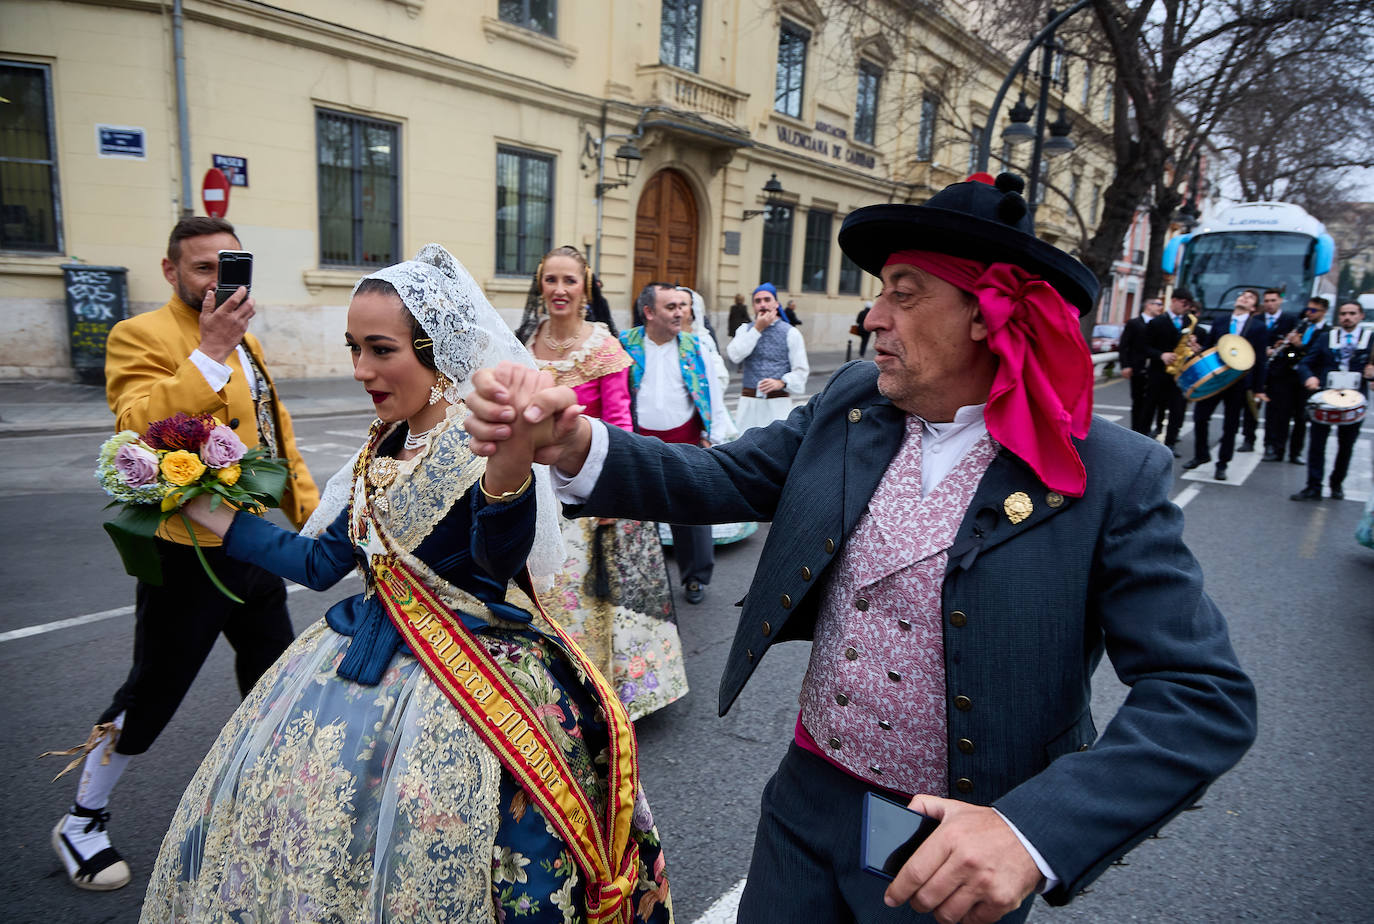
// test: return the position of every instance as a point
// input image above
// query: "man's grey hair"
(648, 296)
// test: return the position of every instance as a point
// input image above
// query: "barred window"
(539, 15)
(816, 253)
(787, 96)
(679, 33)
(359, 190)
(925, 138)
(30, 209)
(777, 246)
(851, 277)
(866, 107)
(524, 210)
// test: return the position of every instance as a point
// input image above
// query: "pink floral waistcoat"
(874, 694)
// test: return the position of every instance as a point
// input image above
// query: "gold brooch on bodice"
(381, 472)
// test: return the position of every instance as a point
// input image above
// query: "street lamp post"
(1019, 132)
(627, 161)
(1045, 35)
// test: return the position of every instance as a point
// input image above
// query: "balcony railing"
(661, 85)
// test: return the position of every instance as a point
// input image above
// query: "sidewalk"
(37, 407)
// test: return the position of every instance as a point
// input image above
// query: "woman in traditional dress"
(612, 594)
(435, 749)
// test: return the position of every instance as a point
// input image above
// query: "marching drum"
(1211, 371)
(1337, 407)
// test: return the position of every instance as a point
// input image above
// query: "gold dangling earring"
(441, 385)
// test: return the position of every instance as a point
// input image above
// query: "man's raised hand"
(223, 326)
(510, 398)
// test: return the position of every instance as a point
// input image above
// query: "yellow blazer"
(149, 376)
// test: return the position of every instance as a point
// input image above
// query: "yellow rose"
(229, 474)
(181, 467)
(171, 501)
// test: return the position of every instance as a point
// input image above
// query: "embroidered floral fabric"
(630, 631)
(329, 800)
(876, 681)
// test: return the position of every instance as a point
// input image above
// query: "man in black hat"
(959, 538)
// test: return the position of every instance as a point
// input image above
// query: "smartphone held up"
(235, 269)
(891, 834)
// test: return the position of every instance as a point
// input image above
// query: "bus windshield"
(1217, 267)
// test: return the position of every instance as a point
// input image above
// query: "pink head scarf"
(1042, 393)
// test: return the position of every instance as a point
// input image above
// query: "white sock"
(102, 770)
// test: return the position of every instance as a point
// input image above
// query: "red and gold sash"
(504, 719)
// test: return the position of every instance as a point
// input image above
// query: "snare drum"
(1212, 371)
(1337, 407)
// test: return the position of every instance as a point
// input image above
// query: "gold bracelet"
(507, 496)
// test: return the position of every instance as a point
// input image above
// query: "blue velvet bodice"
(477, 546)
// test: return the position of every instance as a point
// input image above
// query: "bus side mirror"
(1324, 255)
(1172, 253)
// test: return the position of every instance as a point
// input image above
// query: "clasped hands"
(519, 416)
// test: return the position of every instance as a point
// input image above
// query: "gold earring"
(441, 385)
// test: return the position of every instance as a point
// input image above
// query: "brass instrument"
(1184, 351)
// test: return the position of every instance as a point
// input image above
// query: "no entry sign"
(214, 193)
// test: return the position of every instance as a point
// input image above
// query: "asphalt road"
(1286, 836)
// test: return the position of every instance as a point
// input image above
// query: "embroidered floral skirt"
(327, 801)
(627, 625)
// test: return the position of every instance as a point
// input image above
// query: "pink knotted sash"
(1042, 393)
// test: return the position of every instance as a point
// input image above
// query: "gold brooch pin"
(1017, 506)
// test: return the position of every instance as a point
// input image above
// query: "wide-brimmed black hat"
(983, 221)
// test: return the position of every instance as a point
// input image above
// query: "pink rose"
(136, 465)
(222, 448)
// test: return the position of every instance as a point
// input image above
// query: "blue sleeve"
(502, 533)
(318, 563)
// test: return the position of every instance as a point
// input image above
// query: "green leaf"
(265, 481)
(132, 531)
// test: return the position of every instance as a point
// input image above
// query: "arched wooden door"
(666, 232)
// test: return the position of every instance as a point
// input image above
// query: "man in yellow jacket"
(198, 358)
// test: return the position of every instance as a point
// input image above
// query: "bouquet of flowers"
(151, 475)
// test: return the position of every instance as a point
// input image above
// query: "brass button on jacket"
(958, 619)
(806, 573)
(1054, 499)
(965, 746)
(964, 784)
(786, 602)
(851, 653)
(829, 546)
(855, 415)
(767, 629)
(963, 703)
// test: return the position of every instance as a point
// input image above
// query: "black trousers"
(1316, 453)
(806, 863)
(1285, 420)
(1140, 402)
(177, 624)
(695, 552)
(1164, 394)
(1232, 401)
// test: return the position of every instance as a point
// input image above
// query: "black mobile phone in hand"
(891, 834)
(235, 269)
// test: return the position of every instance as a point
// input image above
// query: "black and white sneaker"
(82, 844)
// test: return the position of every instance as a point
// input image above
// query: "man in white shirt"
(673, 397)
(772, 359)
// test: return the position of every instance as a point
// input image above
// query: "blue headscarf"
(765, 287)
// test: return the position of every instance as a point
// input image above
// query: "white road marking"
(88, 618)
(1186, 495)
(726, 907)
(351, 434)
(322, 447)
